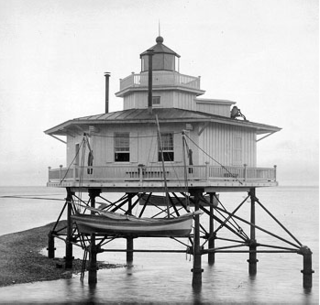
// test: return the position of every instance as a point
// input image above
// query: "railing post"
(49, 168)
(74, 172)
(275, 172)
(245, 172)
(140, 171)
(207, 170)
(60, 172)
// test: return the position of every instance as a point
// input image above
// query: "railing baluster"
(174, 172)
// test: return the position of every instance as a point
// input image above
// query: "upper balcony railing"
(160, 78)
(202, 175)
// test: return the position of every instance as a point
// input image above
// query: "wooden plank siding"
(143, 144)
(168, 99)
(184, 100)
(220, 141)
(229, 145)
(213, 108)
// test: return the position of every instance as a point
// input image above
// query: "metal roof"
(165, 115)
(160, 48)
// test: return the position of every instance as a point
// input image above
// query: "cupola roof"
(160, 48)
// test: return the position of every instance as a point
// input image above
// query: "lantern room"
(163, 59)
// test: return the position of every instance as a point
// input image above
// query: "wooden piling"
(252, 244)
(197, 270)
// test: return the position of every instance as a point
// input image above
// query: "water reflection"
(196, 289)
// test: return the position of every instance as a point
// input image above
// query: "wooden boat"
(107, 223)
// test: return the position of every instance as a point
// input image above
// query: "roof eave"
(66, 127)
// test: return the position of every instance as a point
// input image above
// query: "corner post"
(197, 270)
(207, 171)
(211, 241)
(245, 172)
(49, 171)
(92, 277)
(69, 250)
(252, 243)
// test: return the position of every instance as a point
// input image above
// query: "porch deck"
(125, 177)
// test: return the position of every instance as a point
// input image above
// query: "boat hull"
(102, 225)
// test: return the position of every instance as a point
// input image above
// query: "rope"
(77, 153)
(211, 157)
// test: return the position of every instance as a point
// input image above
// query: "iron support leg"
(69, 253)
(130, 239)
(92, 277)
(307, 267)
(211, 242)
(253, 244)
(51, 247)
(197, 270)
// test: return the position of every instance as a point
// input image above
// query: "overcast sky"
(262, 54)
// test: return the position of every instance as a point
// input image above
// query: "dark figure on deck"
(235, 112)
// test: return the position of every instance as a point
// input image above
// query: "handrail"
(160, 79)
(141, 173)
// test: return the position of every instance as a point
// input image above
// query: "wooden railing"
(160, 79)
(141, 173)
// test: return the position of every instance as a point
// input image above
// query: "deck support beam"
(69, 251)
(252, 242)
(197, 251)
(211, 240)
(93, 251)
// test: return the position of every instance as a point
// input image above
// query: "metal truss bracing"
(218, 230)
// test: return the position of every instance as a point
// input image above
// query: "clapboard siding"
(184, 100)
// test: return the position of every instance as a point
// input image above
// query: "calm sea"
(166, 278)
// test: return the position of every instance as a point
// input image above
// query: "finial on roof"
(159, 39)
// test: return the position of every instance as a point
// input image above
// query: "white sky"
(261, 54)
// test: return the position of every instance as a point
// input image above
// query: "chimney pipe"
(150, 54)
(107, 76)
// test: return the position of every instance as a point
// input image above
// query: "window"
(167, 147)
(156, 100)
(121, 147)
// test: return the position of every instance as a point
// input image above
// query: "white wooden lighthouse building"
(123, 148)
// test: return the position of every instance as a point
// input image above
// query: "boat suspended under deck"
(112, 224)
